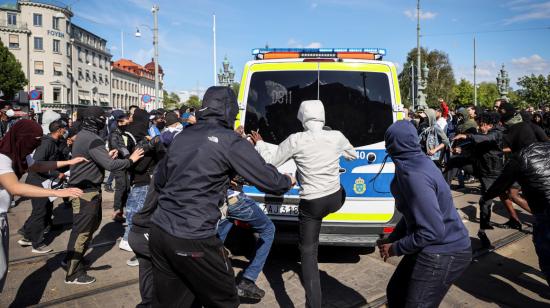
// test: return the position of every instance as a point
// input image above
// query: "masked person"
(172, 129)
(40, 218)
(88, 177)
(118, 141)
(317, 153)
(15, 147)
(189, 260)
(430, 235)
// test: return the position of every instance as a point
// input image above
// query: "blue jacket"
(430, 221)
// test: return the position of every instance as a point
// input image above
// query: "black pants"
(139, 242)
(40, 218)
(190, 272)
(454, 165)
(423, 279)
(86, 220)
(122, 189)
(311, 214)
(485, 208)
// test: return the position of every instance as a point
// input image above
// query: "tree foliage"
(535, 90)
(171, 101)
(12, 78)
(463, 93)
(235, 87)
(440, 76)
(487, 93)
(194, 102)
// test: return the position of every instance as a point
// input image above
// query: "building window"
(39, 67)
(56, 46)
(38, 43)
(80, 75)
(12, 19)
(69, 50)
(87, 75)
(87, 58)
(37, 20)
(57, 69)
(41, 89)
(79, 51)
(94, 78)
(106, 80)
(57, 95)
(55, 23)
(93, 59)
(68, 26)
(14, 41)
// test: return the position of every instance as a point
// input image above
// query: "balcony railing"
(17, 26)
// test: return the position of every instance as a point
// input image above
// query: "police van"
(361, 97)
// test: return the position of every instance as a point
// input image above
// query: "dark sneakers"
(82, 279)
(513, 224)
(108, 188)
(485, 242)
(248, 289)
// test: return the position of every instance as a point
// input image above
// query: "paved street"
(351, 277)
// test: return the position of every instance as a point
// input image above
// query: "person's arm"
(443, 137)
(10, 182)
(539, 133)
(46, 166)
(116, 142)
(509, 175)
(347, 149)
(247, 163)
(44, 153)
(423, 203)
(398, 232)
(99, 154)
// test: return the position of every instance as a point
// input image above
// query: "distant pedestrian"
(430, 235)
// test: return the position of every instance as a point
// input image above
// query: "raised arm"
(10, 182)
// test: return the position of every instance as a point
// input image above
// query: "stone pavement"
(351, 277)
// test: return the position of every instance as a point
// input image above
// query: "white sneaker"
(124, 245)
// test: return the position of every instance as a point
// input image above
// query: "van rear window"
(356, 103)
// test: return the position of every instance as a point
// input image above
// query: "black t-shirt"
(521, 135)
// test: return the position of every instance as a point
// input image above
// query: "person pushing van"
(316, 152)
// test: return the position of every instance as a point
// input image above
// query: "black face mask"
(123, 127)
(160, 125)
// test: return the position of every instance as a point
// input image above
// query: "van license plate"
(281, 209)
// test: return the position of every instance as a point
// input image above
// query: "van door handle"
(342, 170)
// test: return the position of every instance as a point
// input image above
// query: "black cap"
(92, 112)
(57, 124)
(171, 118)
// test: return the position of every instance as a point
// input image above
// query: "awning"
(38, 65)
(57, 67)
(14, 39)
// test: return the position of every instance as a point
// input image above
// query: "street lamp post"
(226, 76)
(155, 31)
(503, 83)
(421, 81)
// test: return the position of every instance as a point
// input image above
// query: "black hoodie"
(194, 175)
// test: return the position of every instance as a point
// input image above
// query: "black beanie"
(507, 111)
(92, 112)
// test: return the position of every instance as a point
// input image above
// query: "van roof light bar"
(318, 53)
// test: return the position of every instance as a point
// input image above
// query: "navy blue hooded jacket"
(430, 221)
(194, 176)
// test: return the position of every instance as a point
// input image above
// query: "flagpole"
(214, 35)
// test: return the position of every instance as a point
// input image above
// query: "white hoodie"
(315, 151)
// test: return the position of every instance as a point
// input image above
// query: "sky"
(185, 32)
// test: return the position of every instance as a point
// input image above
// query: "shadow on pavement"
(495, 278)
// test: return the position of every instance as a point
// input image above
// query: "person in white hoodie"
(316, 152)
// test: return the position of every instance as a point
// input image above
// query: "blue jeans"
(136, 198)
(541, 239)
(247, 210)
(423, 279)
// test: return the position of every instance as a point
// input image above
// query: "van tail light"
(388, 230)
(242, 224)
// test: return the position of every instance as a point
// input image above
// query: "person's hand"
(255, 136)
(192, 120)
(77, 160)
(148, 138)
(431, 152)
(460, 136)
(68, 193)
(386, 251)
(113, 154)
(457, 150)
(292, 179)
(69, 141)
(61, 176)
(240, 130)
(137, 155)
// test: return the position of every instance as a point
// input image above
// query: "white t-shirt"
(5, 198)
(442, 123)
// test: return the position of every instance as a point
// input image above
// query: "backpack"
(429, 139)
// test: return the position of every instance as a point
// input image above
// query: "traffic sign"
(35, 105)
(35, 95)
(146, 98)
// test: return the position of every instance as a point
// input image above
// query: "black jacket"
(141, 171)
(193, 177)
(49, 150)
(487, 153)
(520, 135)
(116, 142)
(531, 169)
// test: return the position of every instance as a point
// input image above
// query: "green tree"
(440, 76)
(463, 93)
(12, 78)
(236, 86)
(535, 90)
(194, 102)
(487, 93)
(171, 101)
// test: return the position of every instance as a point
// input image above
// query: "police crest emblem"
(359, 187)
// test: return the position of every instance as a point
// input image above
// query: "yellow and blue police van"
(360, 93)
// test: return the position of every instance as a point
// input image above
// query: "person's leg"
(120, 189)
(433, 275)
(485, 208)
(224, 226)
(134, 204)
(4, 249)
(541, 239)
(200, 266)
(248, 211)
(519, 200)
(399, 282)
(309, 228)
(140, 245)
(85, 223)
(35, 224)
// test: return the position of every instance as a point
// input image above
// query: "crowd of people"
(178, 178)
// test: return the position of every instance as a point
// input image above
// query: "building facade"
(133, 84)
(67, 64)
